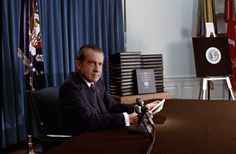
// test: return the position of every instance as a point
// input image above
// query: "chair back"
(46, 108)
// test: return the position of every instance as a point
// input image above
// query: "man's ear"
(78, 64)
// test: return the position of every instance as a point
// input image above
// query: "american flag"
(230, 19)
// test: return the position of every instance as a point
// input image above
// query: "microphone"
(145, 110)
(138, 110)
(145, 127)
(139, 102)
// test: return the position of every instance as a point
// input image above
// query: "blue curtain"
(68, 24)
(65, 26)
(12, 77)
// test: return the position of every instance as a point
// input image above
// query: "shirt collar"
(88, 83)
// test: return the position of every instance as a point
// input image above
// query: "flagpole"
(125, 27)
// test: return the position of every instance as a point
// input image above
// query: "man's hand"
(133, 118)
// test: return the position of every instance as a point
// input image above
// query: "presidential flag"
(30, 48)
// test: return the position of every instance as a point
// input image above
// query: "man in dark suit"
(86, 105)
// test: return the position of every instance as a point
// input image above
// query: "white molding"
(191, 88)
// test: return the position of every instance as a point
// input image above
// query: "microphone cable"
(153, 135)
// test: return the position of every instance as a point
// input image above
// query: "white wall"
(166, 27)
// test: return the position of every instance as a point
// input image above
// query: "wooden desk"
(132, 99)
(197, 126)
(117, 141)
(183, 126)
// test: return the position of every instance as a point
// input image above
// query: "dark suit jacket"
(81, 113)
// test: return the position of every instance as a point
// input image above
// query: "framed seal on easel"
(212, 57)
(212, 60)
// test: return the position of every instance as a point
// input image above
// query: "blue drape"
(68, 24)
(65, 26)
(12, 77)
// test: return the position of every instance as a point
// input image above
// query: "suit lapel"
(94, 101)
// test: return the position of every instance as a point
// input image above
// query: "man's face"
(91, 67)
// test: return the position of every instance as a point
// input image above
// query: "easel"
(206, 79)
(206, 67)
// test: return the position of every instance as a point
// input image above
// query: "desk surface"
(197, 126)
(117, 141)
(183, 126)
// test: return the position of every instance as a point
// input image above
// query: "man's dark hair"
(80, 53)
